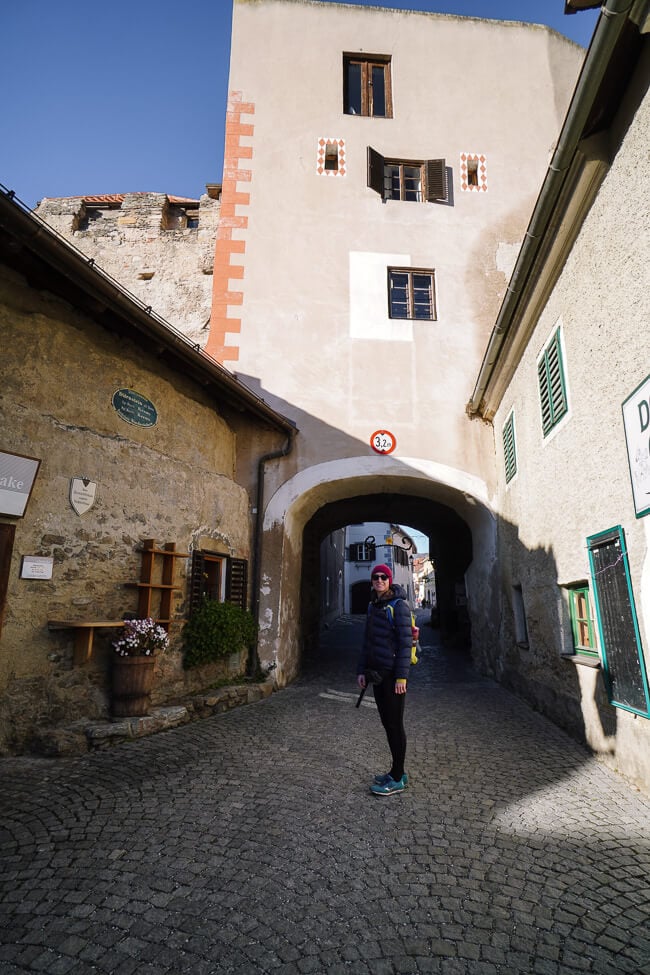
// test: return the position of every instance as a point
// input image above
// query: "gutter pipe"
(253, 658)
(614, 14)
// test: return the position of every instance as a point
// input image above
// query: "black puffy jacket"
(387, 647)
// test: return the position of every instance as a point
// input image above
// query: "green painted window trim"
(552, 385)
(509, 448)
(576, 619)
(617, 535)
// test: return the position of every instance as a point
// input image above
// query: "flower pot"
(132, 683)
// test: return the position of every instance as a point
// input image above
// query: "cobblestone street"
(249, 842)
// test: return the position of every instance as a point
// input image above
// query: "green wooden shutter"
(237, 582)
(376, 171)
(436, 173)
(510, 448)
(552, 389)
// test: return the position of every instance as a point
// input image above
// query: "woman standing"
(386, 649)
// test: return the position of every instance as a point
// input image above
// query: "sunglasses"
(379, 575)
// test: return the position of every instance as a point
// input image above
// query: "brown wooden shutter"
(196, 581)
(237, 582)
(7, 533)
(376, 171)
(436, 173)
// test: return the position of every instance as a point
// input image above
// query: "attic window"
(192, 219)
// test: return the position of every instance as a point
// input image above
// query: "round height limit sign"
(383, 442)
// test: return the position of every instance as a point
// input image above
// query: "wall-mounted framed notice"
(17, 476)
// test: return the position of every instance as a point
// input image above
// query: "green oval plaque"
(134, 408)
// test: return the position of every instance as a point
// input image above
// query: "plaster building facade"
(368, 543)
(128, 434)
(566, 384)
(362, 305)
(159, 247)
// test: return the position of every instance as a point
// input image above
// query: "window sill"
(581, 661)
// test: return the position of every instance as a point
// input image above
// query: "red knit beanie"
(385, 570)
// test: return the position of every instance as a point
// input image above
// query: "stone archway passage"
(450, 544)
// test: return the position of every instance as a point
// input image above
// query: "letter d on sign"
(644, 414)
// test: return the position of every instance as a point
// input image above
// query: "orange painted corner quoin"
(232, 219)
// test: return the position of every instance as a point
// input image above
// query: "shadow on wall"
(535, 657)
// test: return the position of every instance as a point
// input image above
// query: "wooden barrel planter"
(132, 683)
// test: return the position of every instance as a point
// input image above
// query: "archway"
(446, 504)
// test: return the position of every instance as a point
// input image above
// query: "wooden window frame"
(434, 185)
(364, 551)
(553, 398)
(232, 578)
(366, 63)
(410, 273)
(509, 448)
(579, 620)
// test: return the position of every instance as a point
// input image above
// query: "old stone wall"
(173, 482)
(160, 248)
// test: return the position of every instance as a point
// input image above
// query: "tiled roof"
(109, 198)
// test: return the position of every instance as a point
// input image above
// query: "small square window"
(582, 625)
(411, 294)
(367, 85)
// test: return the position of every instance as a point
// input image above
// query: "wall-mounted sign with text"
(37, 567)
(82, 494)
(636, 421)
(134, 408)
(383, 442)
(17, 476)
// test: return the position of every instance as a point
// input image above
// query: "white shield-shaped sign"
(82, 494)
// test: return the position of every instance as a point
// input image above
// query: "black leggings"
(391, 711)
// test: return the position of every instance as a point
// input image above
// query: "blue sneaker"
(383, 779)
(388, 788)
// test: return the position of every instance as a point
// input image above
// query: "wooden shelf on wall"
(157, 560)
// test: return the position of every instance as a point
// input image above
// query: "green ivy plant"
(216, 630)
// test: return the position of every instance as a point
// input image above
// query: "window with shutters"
(509, 448)
(411, 294)
(407, 179)
(552, 386)
(582, 624)
(362, 552)
(367, 85)
(219, 577)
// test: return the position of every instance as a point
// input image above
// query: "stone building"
(132, 434)
(159, 247)
(566, 384)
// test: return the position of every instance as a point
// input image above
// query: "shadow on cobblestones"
(249, 842)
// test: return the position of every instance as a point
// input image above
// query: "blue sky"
(131, 96)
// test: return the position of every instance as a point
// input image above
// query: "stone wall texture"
(174, 482)
(144, 241)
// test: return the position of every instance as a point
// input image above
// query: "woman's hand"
(400, 687)
(361, 681)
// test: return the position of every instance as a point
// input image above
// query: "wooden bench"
(84, 634)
